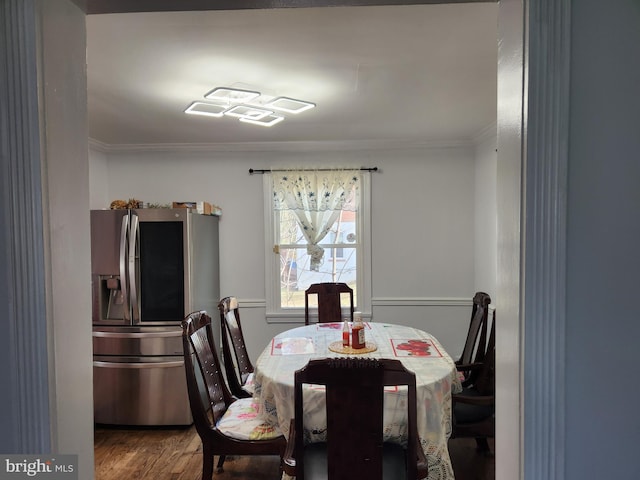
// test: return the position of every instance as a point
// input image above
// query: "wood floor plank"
(176, 454)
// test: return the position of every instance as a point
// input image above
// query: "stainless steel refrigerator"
(149, 268)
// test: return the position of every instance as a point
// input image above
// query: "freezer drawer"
(134, 341)
(140, 391)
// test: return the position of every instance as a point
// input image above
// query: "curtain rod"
(362, 169)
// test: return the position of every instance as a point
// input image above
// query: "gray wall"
(22, 303)
(66, 185)
(603, 269)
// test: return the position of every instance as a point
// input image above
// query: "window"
(337, 252)
(318, 241)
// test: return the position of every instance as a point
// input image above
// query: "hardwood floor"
(469, 464)
(175, 454)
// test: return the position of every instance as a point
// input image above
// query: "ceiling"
(414, 73)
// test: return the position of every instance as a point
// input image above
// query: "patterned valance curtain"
(316, 197)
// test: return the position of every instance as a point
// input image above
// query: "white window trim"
(272, 275)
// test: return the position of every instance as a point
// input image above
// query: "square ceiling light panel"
(268, 121)
(231, 95)
(245, 111)
(207, 109)
(289, 105)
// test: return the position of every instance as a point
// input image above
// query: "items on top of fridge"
(122, 205)
(203, 208)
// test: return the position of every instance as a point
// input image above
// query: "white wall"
(485, 216)
(422, 223)
(98, 180)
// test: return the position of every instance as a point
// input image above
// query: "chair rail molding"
(252, 303)
(297, 315)
(421, 302)
(386, 302)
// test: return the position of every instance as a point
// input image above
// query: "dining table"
(420, 352)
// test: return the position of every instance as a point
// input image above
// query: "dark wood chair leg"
(207, 463)
(483, 446)
(221, 463)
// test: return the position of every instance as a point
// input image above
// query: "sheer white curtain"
(316, 197)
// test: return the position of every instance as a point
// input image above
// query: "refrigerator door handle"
(134, 252)
(123, 265)
(137, 365)
(151, 334)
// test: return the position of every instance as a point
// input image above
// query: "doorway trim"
(533, 153)
(545, 184)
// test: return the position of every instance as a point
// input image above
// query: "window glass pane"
(288, 231)
(295, 275)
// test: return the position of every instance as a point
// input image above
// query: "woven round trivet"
(339, 348)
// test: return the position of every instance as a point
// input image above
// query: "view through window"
(317, 240)
(339, 263)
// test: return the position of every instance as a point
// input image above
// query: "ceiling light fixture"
(231, 95)
(248, 112)
(207, 109)
(268, 121)
(248, 106)
(289, 105)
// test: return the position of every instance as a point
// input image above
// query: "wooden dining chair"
(474, 407)
(354, 447)
(475, 344)
(329, 295)
(226, 425)
(237, 364)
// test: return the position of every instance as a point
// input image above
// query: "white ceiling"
(420, 73)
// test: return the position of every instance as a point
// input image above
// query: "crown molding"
(126, 6)
(99, 146)
(487, 133)
(298, 146)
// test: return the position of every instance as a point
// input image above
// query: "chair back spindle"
(475, 346)
(237, 364)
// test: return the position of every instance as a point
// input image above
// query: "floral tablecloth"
(420, 352)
